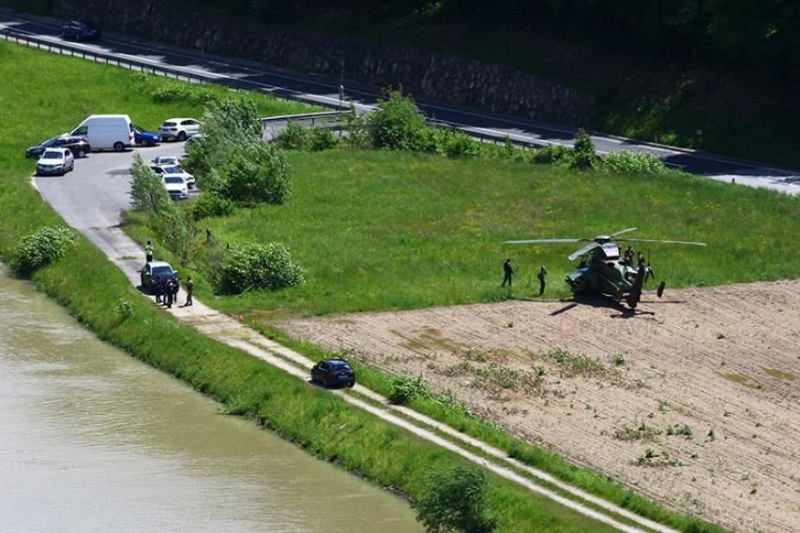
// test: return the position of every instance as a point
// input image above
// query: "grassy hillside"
(387, 230)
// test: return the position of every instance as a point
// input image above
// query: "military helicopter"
(603, 270)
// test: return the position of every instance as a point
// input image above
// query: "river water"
(92, 440)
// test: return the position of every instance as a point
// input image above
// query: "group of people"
(508, 274)
(166, 289)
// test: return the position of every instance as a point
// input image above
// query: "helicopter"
(603, 270)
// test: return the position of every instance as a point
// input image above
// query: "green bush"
(322, 139)
(210, 204)
(583, 152)
(257, 267)
(297, 137)
(396, 124)
(45, 245)
(228, 125)
(455, 501)
(627, 162)
(168, 91)
(293, 137)
(552, 154)
(257, 173)
(147, 190)
(406, 388)
(458, 144)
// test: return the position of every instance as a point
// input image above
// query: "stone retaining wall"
(426, 75)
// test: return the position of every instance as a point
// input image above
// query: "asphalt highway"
(334, 93)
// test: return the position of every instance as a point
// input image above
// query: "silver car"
(55, 161)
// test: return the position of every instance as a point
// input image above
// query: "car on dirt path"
(153, 273)
(333, 373)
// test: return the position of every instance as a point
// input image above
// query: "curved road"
(325, 91)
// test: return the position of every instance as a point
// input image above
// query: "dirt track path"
(693, 401)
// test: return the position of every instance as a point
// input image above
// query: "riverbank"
(93, 289)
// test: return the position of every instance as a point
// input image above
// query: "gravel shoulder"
(692, 400)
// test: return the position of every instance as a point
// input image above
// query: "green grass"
(91, 287)
(381, 230)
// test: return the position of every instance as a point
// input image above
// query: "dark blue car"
(142, 137)
(80, 30)
(333, 373)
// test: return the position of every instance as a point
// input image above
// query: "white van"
(106, 132)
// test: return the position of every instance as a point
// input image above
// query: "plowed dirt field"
(694, 400)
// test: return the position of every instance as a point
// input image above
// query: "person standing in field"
(542, 275)
(148, 251)
(508, 273)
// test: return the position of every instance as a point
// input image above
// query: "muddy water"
(91, 440)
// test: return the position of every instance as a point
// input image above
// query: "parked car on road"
(81, 30)
(153, 273)
(77, 145)
(176, 186)
(179, 129)
(142, 137)
(106, 132)
(173, 170)
(55, 161)
(333, 373)
(166, 160)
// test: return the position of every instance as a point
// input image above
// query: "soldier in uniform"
(189, 289)
(542, 275)
(508, 272)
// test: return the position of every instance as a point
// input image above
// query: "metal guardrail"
(330, 118)
(176, 73)
(108, 59)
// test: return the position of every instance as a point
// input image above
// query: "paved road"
(325, 91)
(98, 190)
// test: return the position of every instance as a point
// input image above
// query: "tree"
(455, 502)
(257, 173)
(147, 190)
(227, 126)
(583, 154)
(397, 124)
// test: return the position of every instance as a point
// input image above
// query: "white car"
(176, 187)
(164, 160)
(173, 170)
(55, 161)
(179, 129)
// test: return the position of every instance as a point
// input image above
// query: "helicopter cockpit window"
(611, 251)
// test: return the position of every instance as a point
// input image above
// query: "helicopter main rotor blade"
(586, 249)
(543, 241)
(620, 232)
(662, 241)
